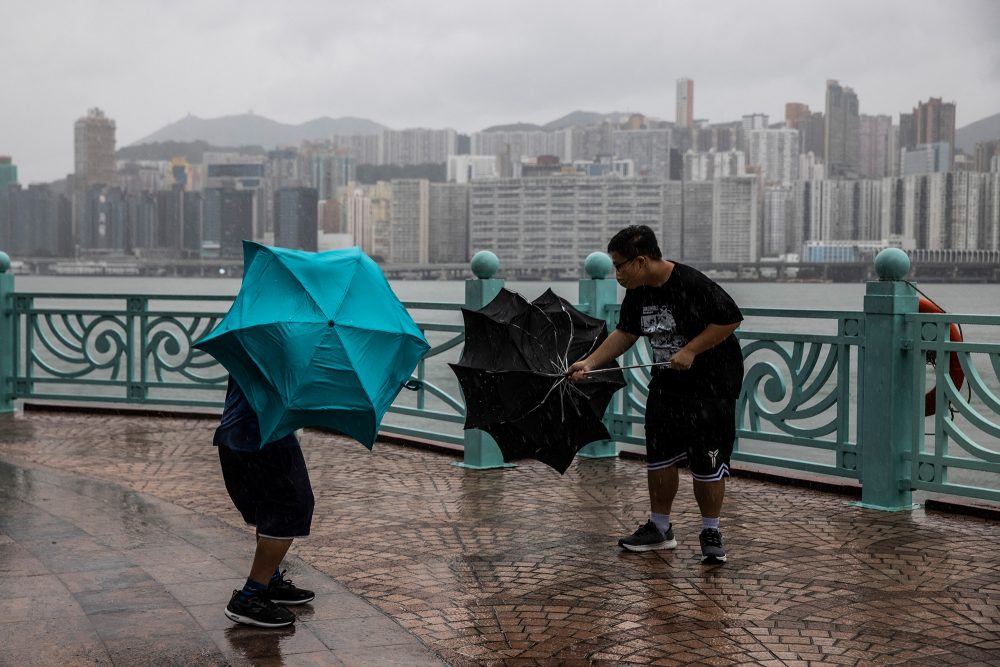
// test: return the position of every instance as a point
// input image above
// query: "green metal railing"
(840, 395)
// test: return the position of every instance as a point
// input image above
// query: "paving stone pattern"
(520, 566)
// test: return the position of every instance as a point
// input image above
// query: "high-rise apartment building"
(94, 158)
(514, 145)
(228, 221)
(931, 122)
(811, 127)
(417, 146)
(841, 140)
(8, 172)
(34, 221)
(448, 223)
(467, 168)
(687, 220)
(558, 221)
(234, 171)
(410, 221)
(685, 103)
(925, 159)
(296, 218)
(649, 149)
(755, 121)
(103, 224)
(776, 220)
(985, 152)
(877, 152)
(368, 212)
(734, 220)
(776, 154)
(94, 141)
(713, 165)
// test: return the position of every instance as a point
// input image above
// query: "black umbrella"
(512, 373)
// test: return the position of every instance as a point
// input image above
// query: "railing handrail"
(804, 405)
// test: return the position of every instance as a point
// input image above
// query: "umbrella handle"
(413, 385)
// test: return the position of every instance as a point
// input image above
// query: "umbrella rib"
(305, 289)
(572, 333)
(343, 298)
(555, 335)
(537, 339)
(540, 403)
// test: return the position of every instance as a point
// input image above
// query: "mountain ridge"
(250, 129)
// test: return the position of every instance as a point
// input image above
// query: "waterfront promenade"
(118, 545)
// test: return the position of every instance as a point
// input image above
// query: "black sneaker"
(712, 551)
(257, 610)
(283, 591)
(649, 538)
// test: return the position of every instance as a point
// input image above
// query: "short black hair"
(635, 240)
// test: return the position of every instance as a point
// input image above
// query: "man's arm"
(613, 347)
(711, 336)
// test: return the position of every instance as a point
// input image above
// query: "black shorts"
(696, 432)
(270, 487)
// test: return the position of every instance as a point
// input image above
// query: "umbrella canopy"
(316, 339)
(512, 375)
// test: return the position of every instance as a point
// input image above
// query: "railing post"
(480, 449)
(6, 335)
(598, 292)
(886, 417)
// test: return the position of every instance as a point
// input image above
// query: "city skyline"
(469, 67)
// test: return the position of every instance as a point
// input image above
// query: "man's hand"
(578, 371)
(682, 360)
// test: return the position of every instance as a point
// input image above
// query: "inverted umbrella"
(316, 339)
(512, 373)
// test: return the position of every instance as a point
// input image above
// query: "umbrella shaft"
(621, 368)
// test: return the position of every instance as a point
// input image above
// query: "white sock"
(708, 522)
(662, 521)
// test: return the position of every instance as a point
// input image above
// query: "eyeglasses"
(620, 265)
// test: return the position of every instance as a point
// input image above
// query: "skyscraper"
(811, 126)
(685, 103)
(8, 172)
(776, 154)
(95, 149)
(296, 221)
(94, 164)
(877, 156)
(841, 140)
(228, 220)
(931, 122)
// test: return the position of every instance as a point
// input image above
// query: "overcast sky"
(468, 64)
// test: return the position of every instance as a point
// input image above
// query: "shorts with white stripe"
(690, 432)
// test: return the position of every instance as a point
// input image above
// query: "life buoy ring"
(954, 366)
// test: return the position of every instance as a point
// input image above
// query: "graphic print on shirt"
(658, 323)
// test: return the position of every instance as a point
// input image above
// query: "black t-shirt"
(673, 314)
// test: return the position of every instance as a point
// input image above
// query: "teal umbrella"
(316, 339)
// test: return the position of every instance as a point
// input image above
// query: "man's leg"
(661, 481)
(710, 496)
(267, 558)
(711, 448)
(662, 489)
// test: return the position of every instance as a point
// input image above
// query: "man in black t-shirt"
(697, 375)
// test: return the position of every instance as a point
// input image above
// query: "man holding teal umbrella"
(312, 339)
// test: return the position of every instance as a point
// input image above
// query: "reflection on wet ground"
(119, 544)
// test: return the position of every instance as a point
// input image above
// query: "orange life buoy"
(954, 366)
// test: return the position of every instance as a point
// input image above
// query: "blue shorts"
(270, 487)
(694, 432)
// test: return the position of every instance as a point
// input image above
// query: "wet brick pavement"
(504, 567)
